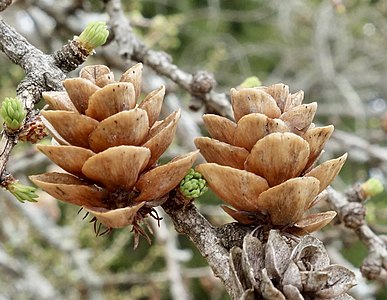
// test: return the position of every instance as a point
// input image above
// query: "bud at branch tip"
(22, 192)
(250, 82)
(13, 113)
(372, 187)
(193, 185)
(94, 35)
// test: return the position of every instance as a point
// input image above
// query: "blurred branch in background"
(198, 85)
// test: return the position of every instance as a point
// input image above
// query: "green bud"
(13, 113)
(193, 185)
(94, 35)
(23, 192)
(14, 125)
(251, 82)
(372, 187)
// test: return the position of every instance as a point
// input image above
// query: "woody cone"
(110, 145)
(262, 165)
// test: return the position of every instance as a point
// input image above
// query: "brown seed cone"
(111, 146)
(287, 268)
(262, 164)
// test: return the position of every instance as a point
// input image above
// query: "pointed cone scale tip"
(237, 188)
(286, 202)
(71, 126)
(158, 126)
(69, 158)
(313, 222)
(221, 153)
(70, 189)
(117, 167)
(58, 101)
(243, 217)
(278, 157)
(116, 218)
(327, 171)
(220, 128)
(159, 142)
(253, 100)
(152, 104)
(111, 99)
(124, 128)
(79, 91)
(162, 179)
(134, 75)
(280, 93)
(299, 118)
(294, 100)
(317, 138)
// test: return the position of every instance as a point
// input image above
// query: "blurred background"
(333, 50)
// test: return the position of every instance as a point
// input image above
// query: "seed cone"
(110, 146)
(263, 163)
(283, 268)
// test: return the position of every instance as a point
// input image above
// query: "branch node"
(371, 267)
(202, 83)
(353, 214)
(70, 56)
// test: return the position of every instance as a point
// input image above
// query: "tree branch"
(4, 4)
(200, 85)
(189, 221)
(352, 213)
(172, 255)
(43, 72)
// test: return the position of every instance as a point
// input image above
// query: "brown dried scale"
(275, 269)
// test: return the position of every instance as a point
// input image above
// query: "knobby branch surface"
(351, 213)
(42, 73)
(4, 4)
(172, 255)
(200, 85)
(189, 221)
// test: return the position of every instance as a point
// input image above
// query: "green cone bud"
(372, 187)
(193, 185)
(94, 35)
(13, 113)
(23, 192)
(251, 82)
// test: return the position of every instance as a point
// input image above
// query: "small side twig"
(43, 72)
(352, 214)
(200, 85)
